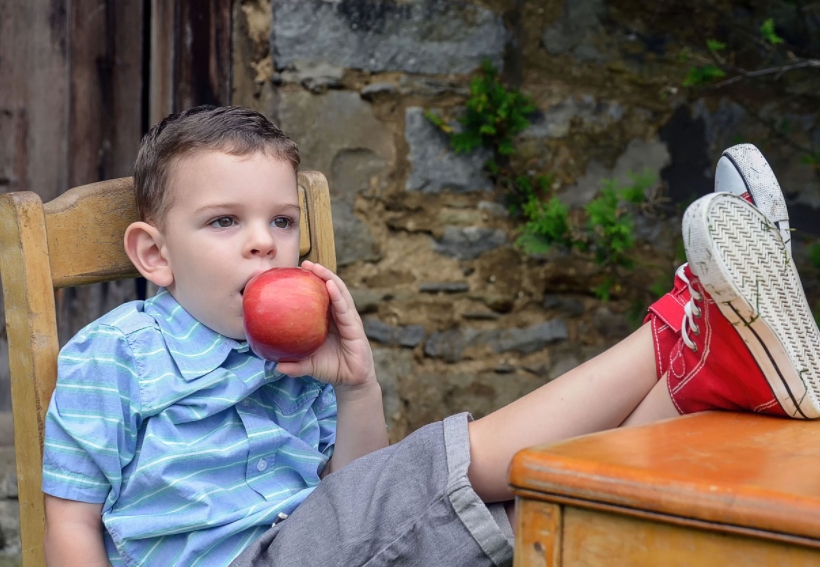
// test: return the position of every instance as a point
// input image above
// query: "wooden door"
(80, 82)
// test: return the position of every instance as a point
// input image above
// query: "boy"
(169, 443)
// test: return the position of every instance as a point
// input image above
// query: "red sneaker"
(743, 171)
(747, 339)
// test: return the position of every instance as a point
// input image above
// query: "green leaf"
(602, 291)
(702, 75)
(547, 225)
(715, 45)
(641, 182)
(768, 33)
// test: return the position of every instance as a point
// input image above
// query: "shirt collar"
(195, 348)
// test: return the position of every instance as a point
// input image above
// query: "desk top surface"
(740, 469)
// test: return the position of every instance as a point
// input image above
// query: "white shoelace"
(691, 312)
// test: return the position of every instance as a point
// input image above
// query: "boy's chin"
(237, 336)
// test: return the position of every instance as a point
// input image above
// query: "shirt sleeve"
(325, 410)
(92, 420)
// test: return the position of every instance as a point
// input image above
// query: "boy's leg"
(409, 504)
(599, 394)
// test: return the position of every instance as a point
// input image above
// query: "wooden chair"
(715, 488)
(73, 240)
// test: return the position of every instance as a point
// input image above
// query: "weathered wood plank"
(105, 121)
(33, 111)
(161, 80)
(203, 62)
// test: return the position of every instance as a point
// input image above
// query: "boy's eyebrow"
(229, 206)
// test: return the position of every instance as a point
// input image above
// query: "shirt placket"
(264, 439)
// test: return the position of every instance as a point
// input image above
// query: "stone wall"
(459, 318)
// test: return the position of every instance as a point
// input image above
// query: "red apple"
(286, 314)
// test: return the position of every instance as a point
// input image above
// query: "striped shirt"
(193, 444)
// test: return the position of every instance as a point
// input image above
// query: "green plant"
(494, 115)
(605, 230)
(760, 55)
(768, 33)
(703, 75)
(547, 225)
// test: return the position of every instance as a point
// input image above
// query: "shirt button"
(261, 465)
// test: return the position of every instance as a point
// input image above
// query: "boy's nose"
(260, 243)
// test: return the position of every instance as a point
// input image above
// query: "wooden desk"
(708, 489)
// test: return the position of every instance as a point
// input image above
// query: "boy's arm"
(345, 360)
(74, 534)
(360, 426)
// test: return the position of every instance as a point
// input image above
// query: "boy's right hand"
(345, 360)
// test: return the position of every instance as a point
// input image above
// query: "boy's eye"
(222, 222)
(282, 222)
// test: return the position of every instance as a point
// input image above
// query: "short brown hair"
(231, 129)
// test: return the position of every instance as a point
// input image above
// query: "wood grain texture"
(105, 95)
(595, 539)
(31, 328)
(191, 60)
(320, 219)
(90, 221)
(34, 79)
(161, 80)
(745, 470)
(538, 534)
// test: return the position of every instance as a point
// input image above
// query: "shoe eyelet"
(693, 348)
(699, 313)
(696, 330)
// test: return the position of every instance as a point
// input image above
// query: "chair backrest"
(78, 239)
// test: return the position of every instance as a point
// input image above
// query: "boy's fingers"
(295, 369)
(344, 312)
(329, 276)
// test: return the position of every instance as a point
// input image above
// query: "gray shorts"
(409, 504)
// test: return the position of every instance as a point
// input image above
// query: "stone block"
(414, 36)
(434, 167)
(408, 336)
(531, 339)
(470, 242)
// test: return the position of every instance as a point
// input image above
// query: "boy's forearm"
(360, 424)
(74, 534)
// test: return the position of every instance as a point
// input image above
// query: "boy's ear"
(144, 246)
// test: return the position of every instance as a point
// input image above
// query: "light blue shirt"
(193, 444)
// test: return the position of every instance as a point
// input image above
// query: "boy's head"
(233, 130)
(217, 193)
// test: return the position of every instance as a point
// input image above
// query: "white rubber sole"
(741, 260)
(741, 169)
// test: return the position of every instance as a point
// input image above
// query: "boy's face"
(231, 218)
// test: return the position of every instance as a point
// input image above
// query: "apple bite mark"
(286, 314)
